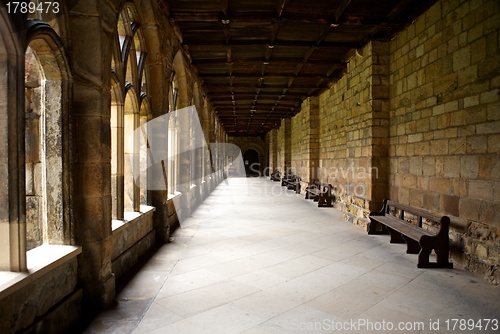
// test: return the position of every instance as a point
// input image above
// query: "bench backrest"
(444, 221)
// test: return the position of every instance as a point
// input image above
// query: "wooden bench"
(294, 184)
(418, 240)
(291, 182)
(276, 176)
(321, 193)
(313, 190)
(285, 180)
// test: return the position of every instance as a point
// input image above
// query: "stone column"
(91, 24)
(379, 175)
(287, 163)
(12, 166)
(313, 139)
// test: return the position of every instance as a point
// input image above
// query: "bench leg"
(412, 246)
(440, 246)
(325, 201)
(396, 237)
(428, 244)
(442, 257)
(376, 228)
(423, 258)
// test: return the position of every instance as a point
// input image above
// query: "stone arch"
(128, 80)
(184, 91)
(53, 103)
(257, 146)
(252, 162)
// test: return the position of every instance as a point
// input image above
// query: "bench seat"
(418, 240)
(410, 230)
(275, 176)
(321, 193)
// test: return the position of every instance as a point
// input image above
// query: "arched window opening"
(173, 138)
(36, 216)
(45, 141)
(117, 206)
(144, 149)
(129, 87)
(131, 153)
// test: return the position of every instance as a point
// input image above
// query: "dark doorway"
(252, 164)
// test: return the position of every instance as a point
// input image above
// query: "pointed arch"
(129, 85)
(47, 118)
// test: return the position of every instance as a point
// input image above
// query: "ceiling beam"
(401, 6)
(259, 18)
(281, 7)
(340, 10)
(264, 42)
(265, 76)
(224, 8)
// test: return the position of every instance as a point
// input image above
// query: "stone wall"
(417, 120)
(48, 302)
(284, 146)
(305, 141)
(445, 124)
(353, 133)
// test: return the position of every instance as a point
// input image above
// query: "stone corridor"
(257, 258)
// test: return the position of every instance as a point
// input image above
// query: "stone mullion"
(118, 173)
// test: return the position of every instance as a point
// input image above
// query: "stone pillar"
(313, 139)
(12, 166)
(274, 151)
(157, 177)
(287, 129)
(379, 173)
(91, 59)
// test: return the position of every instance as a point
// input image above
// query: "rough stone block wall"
(42, 305)
(353, 133)
(272, 140)
(445, 125)
(280, 147)
(300, 143)
(284, 146)
(305, 141)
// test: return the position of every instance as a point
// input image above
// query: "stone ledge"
(41, 260)
(131, 217)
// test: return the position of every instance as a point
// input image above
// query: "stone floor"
(256, 258)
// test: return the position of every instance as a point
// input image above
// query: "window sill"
(174, 195)
(40, 260)
(131, 217)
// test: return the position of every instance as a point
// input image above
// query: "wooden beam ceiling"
(259, 60)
